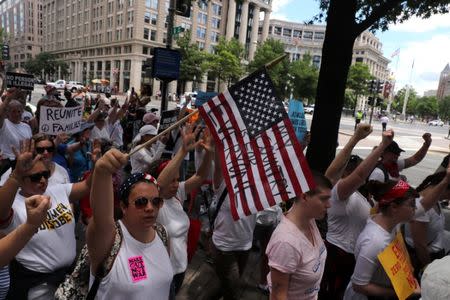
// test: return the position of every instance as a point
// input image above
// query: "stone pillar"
(265, 30)
(202, 85)
(254, 34)
(103, 68)
(188, 86)
(172, 88)
(135, 74)
(231, 19)
(244, 23)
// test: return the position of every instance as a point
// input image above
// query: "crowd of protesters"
(135, 212)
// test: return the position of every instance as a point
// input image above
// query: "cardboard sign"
(297, 117)
(168, 118)
(54, 120)
(397, 265)
(18, 80)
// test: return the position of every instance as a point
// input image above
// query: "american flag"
(395, 53)
(262, 161)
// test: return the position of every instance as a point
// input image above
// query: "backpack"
(76, 285)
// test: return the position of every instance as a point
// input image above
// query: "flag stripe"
(225, 98)
(306, 181)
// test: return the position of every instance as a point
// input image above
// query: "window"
(151, 4)
(215, 23)
(147, 17)
(287, 32)
(277, 30)
(297, 33)
(217, 9)
(202, 18)
(119, 20)
(201, 33)
(214, 37)
(202, 5)
(130, 17)
(130, 32)
(316, 61)
(153, 35)
(201, 45)
(307, 35)
(146, 33)
(319, 35)
(153, 18)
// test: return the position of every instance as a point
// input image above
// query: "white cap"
(435, 283)
(145, 130)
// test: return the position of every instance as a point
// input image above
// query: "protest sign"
(168, 118)
(19, 80)
(397, 265)
(54, 120)
(297, 117)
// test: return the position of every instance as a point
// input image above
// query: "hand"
(188, 134)
(37, 207)
(24, 157)
(427, 138)
(362, 131)
(111, 162)
(387, 138)
(207, 142)
(96, 151)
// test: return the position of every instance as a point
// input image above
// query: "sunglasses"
(41, 150)
(142, 202)
(37, 176)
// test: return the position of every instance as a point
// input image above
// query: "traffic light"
(372, 85)
(5, 52)
(370, 101)
(380, 85)
(183, 8)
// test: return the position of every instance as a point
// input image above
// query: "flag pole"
(274, 62)
(155, 138)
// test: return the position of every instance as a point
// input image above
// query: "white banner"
(54, 120)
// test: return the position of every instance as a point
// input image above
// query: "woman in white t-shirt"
(424, 235)
(141, 268)
(296, 250)
(174, 193)
(42, 264)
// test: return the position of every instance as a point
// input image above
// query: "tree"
(444, 108)
(346, 20)
(46, 63)
(427, 107)
(193, 60)
(304, 77)
(358, 76)
(397, 103)
(225, 64)
(266, 52)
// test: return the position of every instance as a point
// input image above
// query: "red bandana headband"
(398, 191)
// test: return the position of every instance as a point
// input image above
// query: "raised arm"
(352, 182)
(420, 154)
(11, 244)
(101, 230)
(337, 167)
(430, 198)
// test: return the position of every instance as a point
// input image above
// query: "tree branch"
(377, 13)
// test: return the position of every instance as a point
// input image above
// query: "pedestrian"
(384, 121)
(296, 251)
(358, 118)
(141, 160)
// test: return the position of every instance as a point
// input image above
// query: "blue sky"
(426, 42)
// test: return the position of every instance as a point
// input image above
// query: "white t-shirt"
(372, 240)
(176, 222)
(346, 219)
(435, 228)
(11, 134)
(378, 174)
(54, 245)
(59, 176)
(140, 271)
(384, 119)
(230, 235)
(97, 134)
(141, 160)
(116, 134)
(290, 252)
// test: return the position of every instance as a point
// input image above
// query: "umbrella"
(96, 81)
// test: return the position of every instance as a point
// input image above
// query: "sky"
(424, 42)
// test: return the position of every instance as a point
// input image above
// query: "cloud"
(430, 57)
(278, 5)
(416, 24)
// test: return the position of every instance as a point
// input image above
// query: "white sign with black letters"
(54, 120)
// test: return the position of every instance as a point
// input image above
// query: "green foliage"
(397, 103)
(225, 64)
(305, 76)
(47, 63)
(357, 79)
(426, 107)
(266, 52)
(193, 60)
(444, 108)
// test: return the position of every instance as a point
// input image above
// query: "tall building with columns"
(21, 22)
(111, 39)
(444, 83)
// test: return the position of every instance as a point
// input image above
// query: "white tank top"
(140, 271)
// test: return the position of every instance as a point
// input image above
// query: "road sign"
(178, 30)
(166, 64)
(5, 52)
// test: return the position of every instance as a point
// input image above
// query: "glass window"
(202, 18)
(153, 35)
(146, 33)
(215, 22)
(308, 35)
(277, 30)
(297, 33)
(217, 9)
(319, 35)
(201, 32)
(287, 32)
(214, 37)
(147, 17)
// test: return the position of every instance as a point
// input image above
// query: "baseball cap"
(145, 130)
(150, 118)
(394, 148)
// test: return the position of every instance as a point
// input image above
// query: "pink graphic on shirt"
(137, 268)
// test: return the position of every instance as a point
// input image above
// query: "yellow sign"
(397, 265)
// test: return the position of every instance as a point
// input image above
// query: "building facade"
(300, 39)
(444, 83)
(21, 22)
(111, 39)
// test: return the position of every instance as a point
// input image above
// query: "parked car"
(74, 85)
(59, 84)
(436, 123)
(309, 109)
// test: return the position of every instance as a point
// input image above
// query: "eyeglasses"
(142, 202)
(37, 176)
(41, 150)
